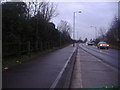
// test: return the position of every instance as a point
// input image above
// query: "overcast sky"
(97, 14)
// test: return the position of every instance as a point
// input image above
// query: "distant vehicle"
(90, 43)
(104, 45)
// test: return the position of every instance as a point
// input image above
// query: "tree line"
(112, 36)
(26, 28)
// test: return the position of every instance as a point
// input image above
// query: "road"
(38, 73)
(42, 72)
(109, 56)
(95, 68)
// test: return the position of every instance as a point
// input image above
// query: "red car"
(103, 45)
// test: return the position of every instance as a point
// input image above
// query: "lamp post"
(95, 31)
(74, 26)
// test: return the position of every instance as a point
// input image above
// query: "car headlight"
(107, 45)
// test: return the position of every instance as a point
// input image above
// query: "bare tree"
(46, 9)
(64, 27)
(112, 34)
(102, 33)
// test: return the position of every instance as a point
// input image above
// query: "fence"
(9, 49)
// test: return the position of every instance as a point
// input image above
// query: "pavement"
(109, 56)
(91, 72)
(38, 73)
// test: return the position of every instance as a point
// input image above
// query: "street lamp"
(74, 26)
(95, 31)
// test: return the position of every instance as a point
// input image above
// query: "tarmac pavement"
(90, 72)
(38, 73)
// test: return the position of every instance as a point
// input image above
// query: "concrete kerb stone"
(77, 77)
(63, 79)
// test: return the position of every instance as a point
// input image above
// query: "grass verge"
(14, 61)
(115, 47)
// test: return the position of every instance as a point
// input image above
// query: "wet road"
(109, 56)
(39, 73)
(92, 72)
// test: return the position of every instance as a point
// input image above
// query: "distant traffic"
(100, 45)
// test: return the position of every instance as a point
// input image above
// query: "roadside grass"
(14, 61)
(112, 86)
(115, 47)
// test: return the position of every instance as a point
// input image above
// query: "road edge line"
(103, 62)
(57, 80)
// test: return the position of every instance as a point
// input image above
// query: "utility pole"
(95, 31)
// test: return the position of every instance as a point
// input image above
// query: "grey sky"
(94, 13)
(97, 14)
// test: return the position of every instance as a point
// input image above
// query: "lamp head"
(79, 12)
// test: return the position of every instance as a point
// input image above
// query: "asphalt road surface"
(109, 56)
(39, 73)
(95, 68)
